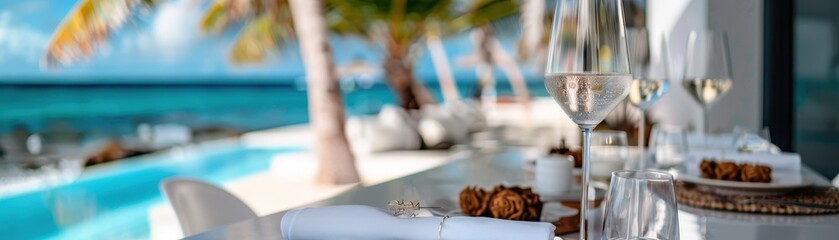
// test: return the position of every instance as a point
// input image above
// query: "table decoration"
(735, 173)
(731, 171)
(475, 201)
(513, 203)
(791, 203)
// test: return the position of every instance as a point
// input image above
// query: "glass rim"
(649, 175)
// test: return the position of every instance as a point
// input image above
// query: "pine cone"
(533, 206)
(507, 204)
(755, 173)
(474, 201)
(727, 171)
(708, 169)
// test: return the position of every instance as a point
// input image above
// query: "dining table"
(441, 186)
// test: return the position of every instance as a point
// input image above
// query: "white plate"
(780, 181)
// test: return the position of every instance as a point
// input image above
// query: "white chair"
(201, 206)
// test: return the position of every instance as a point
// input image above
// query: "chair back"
(201, 206)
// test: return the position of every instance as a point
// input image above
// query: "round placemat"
(691, 195)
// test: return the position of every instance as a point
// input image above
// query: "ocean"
(116, 110)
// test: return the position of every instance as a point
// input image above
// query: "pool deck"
(290, 182)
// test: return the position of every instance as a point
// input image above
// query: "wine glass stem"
(707, 128)
(586, 181)
(641, 142)
(705, 121)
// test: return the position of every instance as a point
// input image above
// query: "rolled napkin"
(784, 162)
(365, 222)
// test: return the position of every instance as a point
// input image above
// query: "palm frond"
(345, 18)
(259, 38)
(86, 26)
(484, 12)
(216, 18)
(225, 13)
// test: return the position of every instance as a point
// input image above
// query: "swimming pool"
(113, 201)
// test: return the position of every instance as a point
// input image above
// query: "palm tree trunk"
(441, 66)
(493, 52)
(400, 77)
(484, 68)
(326, 107)
(505, 61)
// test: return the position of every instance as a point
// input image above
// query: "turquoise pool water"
(112, 201)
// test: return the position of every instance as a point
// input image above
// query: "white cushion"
(392, 129)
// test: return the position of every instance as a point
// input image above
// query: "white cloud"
(175, 27)
(20, 42)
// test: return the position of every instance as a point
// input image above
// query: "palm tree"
(398, 27)
(91, 21)
(326, 111)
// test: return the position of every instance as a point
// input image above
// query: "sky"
(166, 46)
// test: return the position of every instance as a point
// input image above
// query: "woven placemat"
(691, 195)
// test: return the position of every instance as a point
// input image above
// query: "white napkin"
(364, 222)
(784, 162)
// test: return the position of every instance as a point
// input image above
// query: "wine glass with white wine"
(587, 71)
(650, 75)
(707, 69)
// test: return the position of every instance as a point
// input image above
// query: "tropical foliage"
(87, 25)
(398, 26)
(395, 25)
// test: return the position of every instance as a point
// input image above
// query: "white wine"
(706, 91)
(644, 92)
(588, 97)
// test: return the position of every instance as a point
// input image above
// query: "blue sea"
(103, 111)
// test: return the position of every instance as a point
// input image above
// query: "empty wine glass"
(669, 144)
(753, 141)
(650, 74)
(641, 205)
(707, 69)
(587, 70)
(609, 152)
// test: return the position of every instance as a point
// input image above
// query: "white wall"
(676, 19)
(742, 20)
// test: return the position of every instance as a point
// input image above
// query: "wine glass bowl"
(587, 71)
(641, 205)
(650, 69)
(707, 69)
(588, 97)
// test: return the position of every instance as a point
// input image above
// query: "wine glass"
(669, 144)
(641, 205)
(608, 153)
(650, 75)
(753, 141)
(587, 70)
(707, 69)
